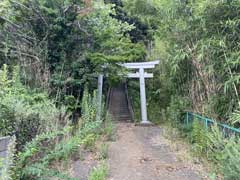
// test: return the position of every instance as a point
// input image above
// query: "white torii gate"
(141, 74)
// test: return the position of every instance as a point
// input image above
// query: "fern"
(199, 137)
(235, 117)
(216, 143)
(230, 160)
(50, 147)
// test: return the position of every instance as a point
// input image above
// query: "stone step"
(117, 111)
(120, 110)
(118, 105)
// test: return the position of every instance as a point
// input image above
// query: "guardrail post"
(224, 132)
(206, 123)
(187, 118)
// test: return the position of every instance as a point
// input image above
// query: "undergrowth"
(109, 128)
(24, 112)
(103, 151)
(100, 172)
(212, 146)
(37, 159)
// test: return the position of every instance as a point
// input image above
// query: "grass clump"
(89, 141)
(99, 173)
(103, 151)
(109, 128)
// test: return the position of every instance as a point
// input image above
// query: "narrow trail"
(142, 153)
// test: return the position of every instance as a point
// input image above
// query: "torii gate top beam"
(144, 65)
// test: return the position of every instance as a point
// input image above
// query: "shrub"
(26, 113)
(38, 156)
(230, 160)
(216, 144)
(224, 152)
(89, 106)
(175, 111)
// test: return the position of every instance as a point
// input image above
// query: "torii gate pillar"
(143, 97)
(142, 75)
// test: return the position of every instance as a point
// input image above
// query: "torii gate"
(141, 74)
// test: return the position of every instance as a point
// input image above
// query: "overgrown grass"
(99, 173)
(211, 145)
(109, 128)
(38, 157)
(103, 151)
(89, 141)
(24, 112)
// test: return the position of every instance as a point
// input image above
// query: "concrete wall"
(4, 144)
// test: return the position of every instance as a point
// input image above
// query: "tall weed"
(222, 151)
(199, 137)
(35, 162)
(25, 113)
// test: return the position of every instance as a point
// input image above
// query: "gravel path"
(142, 153)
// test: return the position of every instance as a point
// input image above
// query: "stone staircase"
(118, 104)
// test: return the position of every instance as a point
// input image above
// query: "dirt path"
(142, 153)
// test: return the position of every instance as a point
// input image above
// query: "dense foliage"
(215, 147)
(203, 54)
(62, 45)
(23, 112)
(197, 43)
(39, 155)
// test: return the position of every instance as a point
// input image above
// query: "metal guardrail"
(226, 129)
